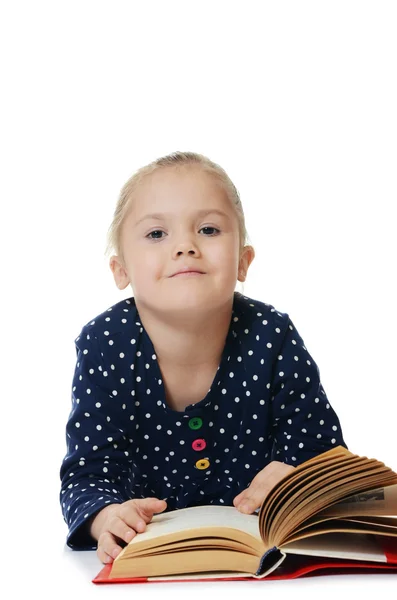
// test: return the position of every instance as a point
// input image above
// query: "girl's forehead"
(171, 184)
(182, 174)
(174, 189)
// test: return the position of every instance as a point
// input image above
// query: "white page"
(350, 546)
(194, 517)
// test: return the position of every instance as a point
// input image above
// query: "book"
(336, 512)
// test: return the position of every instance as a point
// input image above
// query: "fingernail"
(243, 508)
(140, 525)
(115, 552)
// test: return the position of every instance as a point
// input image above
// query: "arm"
(97, 466)
(304, 422)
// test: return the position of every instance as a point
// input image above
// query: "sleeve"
(304, 423)
(97, 465)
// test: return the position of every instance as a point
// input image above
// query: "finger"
(138, 512)
(104, 556)
(239, 498)
(108, 547)
(146, 513)
(125, 530)
(147, 507)
(151, 505)
(254, 497)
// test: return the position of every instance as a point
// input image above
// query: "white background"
(297, 101)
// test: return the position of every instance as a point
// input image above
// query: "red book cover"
(293, 567)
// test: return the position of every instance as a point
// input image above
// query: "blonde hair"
(176, 159)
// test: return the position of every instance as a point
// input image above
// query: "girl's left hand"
(252, 497)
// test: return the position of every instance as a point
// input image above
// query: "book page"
(196, 518)
(306, 493)
(201, 576)
(379, 502)
(352, 546)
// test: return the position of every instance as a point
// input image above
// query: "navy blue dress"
(123, 441)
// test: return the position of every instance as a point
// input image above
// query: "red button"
(199, 444)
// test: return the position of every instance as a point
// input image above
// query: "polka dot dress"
(123, 441)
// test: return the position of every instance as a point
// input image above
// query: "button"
(195, 423)
(203, 463)
(199, 444)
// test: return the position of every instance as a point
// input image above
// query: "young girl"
(187, 393)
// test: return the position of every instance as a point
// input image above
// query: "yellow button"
(203, 464)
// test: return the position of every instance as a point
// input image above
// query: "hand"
(122, 522)
(252, 497)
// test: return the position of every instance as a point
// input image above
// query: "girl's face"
(181, 218)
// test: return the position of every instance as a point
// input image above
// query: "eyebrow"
(199, 213)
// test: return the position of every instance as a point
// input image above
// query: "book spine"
(270, 560)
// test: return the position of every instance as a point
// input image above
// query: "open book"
(336, 509)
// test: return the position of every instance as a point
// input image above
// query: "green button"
(195, 423)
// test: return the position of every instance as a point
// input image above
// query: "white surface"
(78, 571)
(296, 100)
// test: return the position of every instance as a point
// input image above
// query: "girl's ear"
(119, 273)
(247, 256)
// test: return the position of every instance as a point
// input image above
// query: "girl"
(187, 393)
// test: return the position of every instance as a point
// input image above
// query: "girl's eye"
(209, 227)
(152, 232)
(159, 231)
